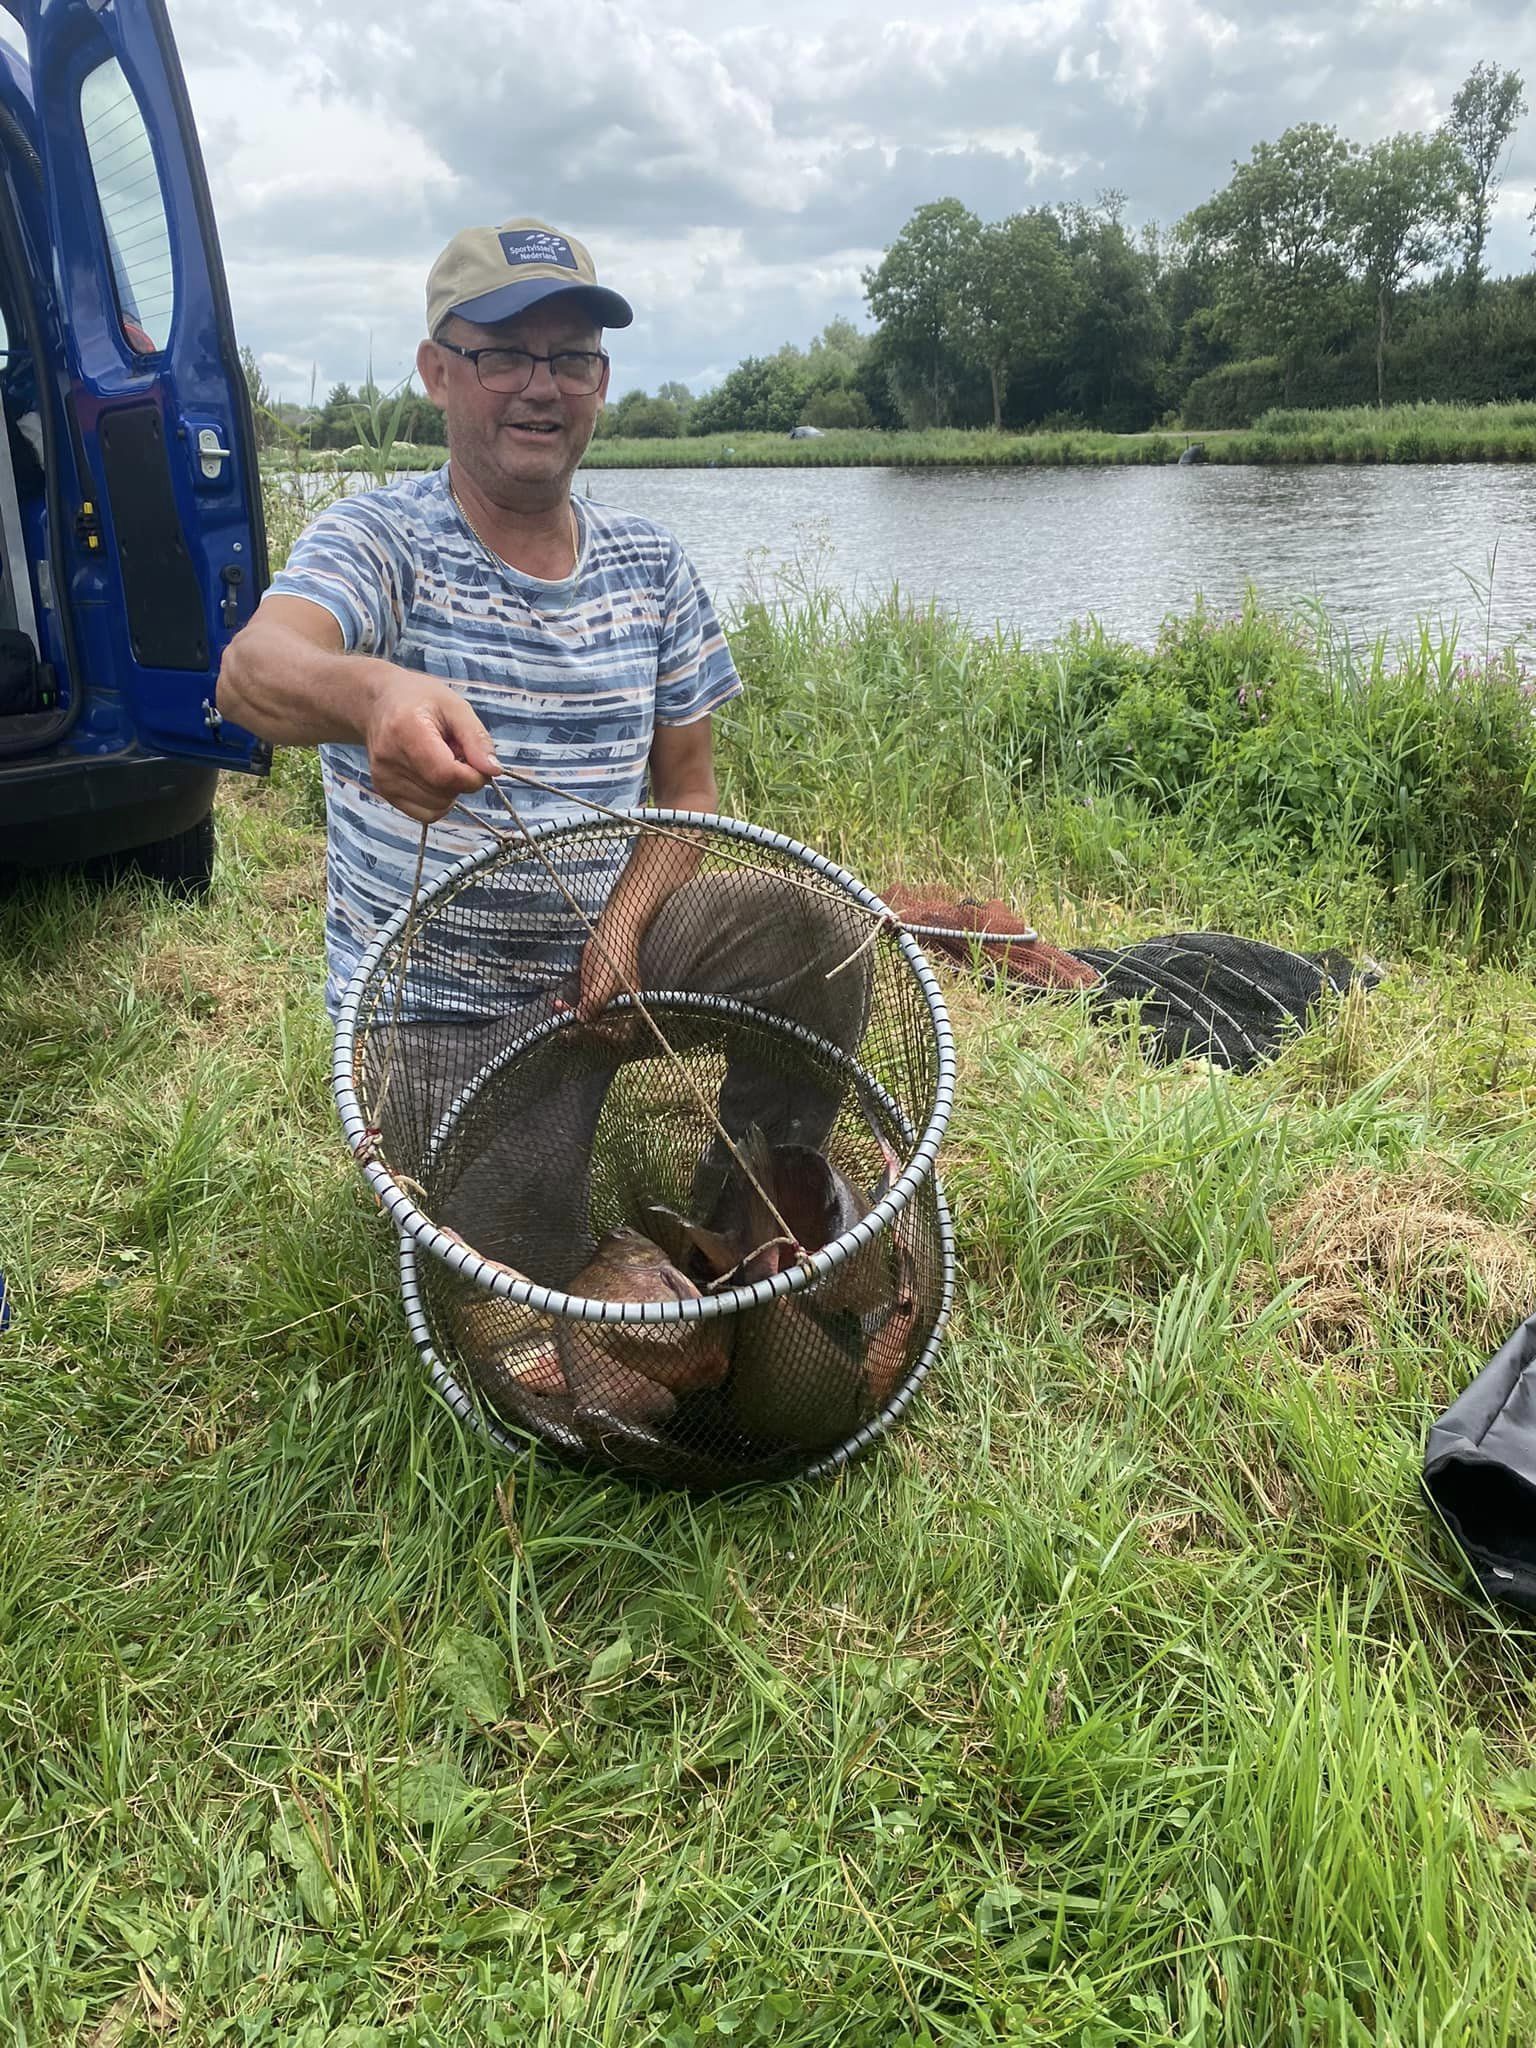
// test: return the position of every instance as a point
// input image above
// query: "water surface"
(1035, 549)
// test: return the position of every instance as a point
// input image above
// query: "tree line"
(1324, 272)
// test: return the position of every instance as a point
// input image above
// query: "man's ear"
(432, 370)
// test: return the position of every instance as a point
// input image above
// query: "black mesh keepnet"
(1211, 995)
(802, 1072)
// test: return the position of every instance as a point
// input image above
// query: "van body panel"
(62, 809)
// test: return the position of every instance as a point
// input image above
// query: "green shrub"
(1234, 395)
(841, 406)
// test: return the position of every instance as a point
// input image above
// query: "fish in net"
(698, 1235)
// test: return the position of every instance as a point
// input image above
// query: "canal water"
(1380, 548)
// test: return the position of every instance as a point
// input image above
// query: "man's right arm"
(287, 678)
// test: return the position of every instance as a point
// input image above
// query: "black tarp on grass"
(1480, 1471)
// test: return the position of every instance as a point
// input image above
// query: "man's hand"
(426, 747)
(682, 778)
(286, 677)
(610, 966)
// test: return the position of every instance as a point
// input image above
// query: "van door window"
(122, 162)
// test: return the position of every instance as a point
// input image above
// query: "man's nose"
(542, 382)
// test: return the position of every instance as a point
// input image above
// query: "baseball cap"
(491, 274)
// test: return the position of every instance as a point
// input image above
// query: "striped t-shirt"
(570, 679)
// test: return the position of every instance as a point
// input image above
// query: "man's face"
(521, 448)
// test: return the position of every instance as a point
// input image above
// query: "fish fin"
(539, 1371)
(719, 1252)
(682, 1239)
(613, 1433)
(672, 1231)
(760, 1222)
(890, 1173)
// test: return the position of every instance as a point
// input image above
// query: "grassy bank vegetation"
(1403, 433)
(1355, 434)
(1126, 1697)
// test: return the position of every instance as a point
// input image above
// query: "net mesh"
(776, 1069)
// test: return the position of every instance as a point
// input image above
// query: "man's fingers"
(468, 739)
(425, 778)
(423, 794)
(428, 750)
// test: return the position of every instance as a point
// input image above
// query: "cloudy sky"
(733, 166)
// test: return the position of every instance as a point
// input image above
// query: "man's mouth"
(546, 428)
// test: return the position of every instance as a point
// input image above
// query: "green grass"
(1354, 434)
(1127, 1696)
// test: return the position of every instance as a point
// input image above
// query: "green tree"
(1402, 192)
(1023, 297)
(762, 395)
(332, 427)
(1278, 236)
(263, 406)
(680, 396)
(1482, 123)
(1117, 336)
(922, 293)
(1186, 291)
(872, 381)
(840, 347)
(647, 419)
(421, 422)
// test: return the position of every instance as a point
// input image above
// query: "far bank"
(1354, 435)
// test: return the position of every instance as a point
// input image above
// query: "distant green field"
(1356, 434)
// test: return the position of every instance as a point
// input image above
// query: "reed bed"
(1128, 1696)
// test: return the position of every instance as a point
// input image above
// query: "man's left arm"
(682, 778)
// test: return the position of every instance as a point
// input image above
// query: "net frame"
(420, 1237)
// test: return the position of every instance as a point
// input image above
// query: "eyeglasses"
(576, 371)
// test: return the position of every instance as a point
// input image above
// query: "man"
(418, 629)
(428, 633)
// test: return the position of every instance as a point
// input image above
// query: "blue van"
(131, 541)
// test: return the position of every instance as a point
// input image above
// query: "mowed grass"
(1126, 1696)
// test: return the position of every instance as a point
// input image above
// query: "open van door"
(169, 552)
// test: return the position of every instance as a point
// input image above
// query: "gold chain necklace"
(501, 559)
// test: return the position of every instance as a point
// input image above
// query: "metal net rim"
(477, 1416)
(411, 1221)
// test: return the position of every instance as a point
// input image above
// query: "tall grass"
(1418, 433)
(1460, 421)
(1246, 767)
(1127, 1698)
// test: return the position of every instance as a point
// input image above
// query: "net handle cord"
(884, 920)
(373, 1136)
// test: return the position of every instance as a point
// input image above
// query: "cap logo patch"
(535, 245)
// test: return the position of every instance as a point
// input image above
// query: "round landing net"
(701, 1236)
